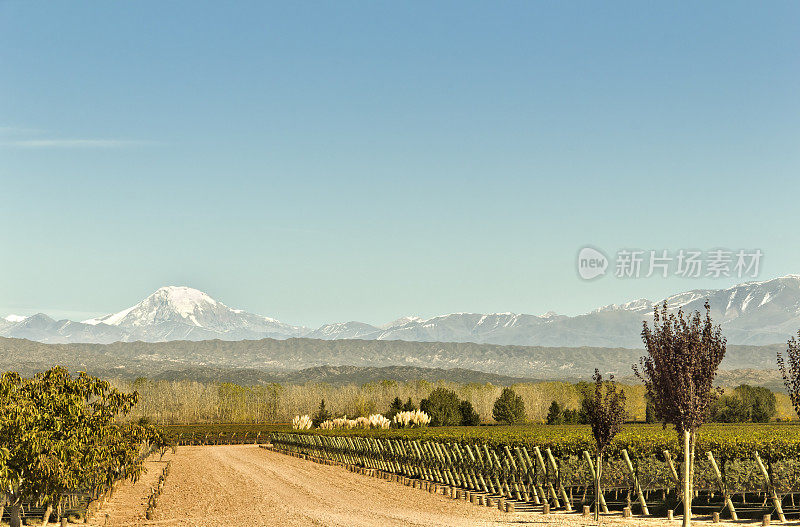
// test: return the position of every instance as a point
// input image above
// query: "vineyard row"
(534, 476)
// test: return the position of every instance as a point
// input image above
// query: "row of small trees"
(60, 433)
(744, 404)
(683, 355)
(185, 401)
(445, 409)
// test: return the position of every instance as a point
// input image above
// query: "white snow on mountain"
(111, 320)
(162, 305)
(762, 312)
(345, 330)
(401, 322)
(750, 313)
(183, 313)
(641, 304)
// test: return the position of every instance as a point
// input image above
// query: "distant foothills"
(338, 362)
(752, 313)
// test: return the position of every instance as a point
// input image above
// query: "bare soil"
(246, 486)
(129, 501)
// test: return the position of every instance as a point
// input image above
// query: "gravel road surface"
(247, 486)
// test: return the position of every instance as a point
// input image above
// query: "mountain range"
(256, 361)
(338, 375)
(752, 313)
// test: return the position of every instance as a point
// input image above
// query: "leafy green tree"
(59, 433)
(649, 410)
(469, 417)
(321, 416)
(443, 407)
(729, 409)
(394, 408)
(747, 404)
(509, 408)
(586, 394)
(573, 417)
(759, 401)
(409, 406)
(554, 414)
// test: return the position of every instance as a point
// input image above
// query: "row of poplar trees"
(60, 434)
(683, 355)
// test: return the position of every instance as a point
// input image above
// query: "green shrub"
(554, 414)
(509, 408)
(469, 417)
(443, 407)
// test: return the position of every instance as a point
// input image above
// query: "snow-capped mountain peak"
(180, 312)
(402, 321)
(167, 303)
(641, 304)
(750, 313)
(184, 300)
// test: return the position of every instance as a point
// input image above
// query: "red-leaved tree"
(791, 377)
(606, 413)
(678, 373)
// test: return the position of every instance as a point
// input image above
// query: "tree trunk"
(47, 513)
(691, 460)
(687, 480)
(597, 486)
(16, 516)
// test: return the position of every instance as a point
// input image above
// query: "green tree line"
(196, 402)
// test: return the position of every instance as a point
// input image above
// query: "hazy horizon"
(81, 316)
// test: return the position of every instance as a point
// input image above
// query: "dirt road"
(246, 486)
(250, 486)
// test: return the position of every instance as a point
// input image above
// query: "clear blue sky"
(321, 162)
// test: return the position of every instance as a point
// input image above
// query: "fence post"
(775, 499)
(538, 491)
(722, 486)
(512, 465)
(558, 478)
(542, 467)
(588, 459)
(530, 489)
(636, 485)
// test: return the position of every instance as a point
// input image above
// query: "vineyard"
(221, 434)
(741, 471)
